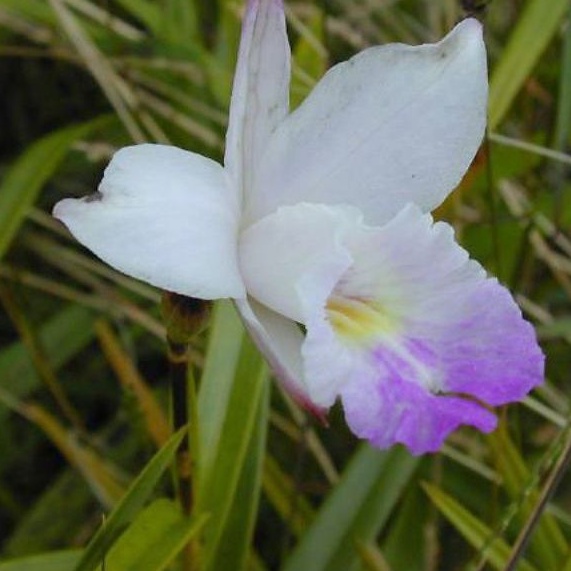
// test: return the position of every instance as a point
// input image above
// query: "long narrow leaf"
(62, 337)
(30, 172)
(534, 30)
(216, 384)
(219, 493)
(102, 476)
(57, 561)
(548, 544)
(153, 539)
(236, 536)
(355, 512)
(130, 505)
(473, 530)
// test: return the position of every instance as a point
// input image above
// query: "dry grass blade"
(21, 26)
(105, 18)
(547, 491)
(103, 478)
(66, 258)
(106, 303)
(39, 357)
(155, 420)
(530, 148)
(116, 90)
(192, 127)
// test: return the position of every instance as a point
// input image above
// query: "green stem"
(178, 363)
(184, 412)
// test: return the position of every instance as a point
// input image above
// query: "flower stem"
(184, 412)
(185, 317)
(178, 363)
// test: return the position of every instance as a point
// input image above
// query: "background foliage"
(83, 374)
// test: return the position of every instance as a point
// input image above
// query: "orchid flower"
(318, 226)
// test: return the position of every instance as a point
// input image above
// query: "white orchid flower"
(320, 218)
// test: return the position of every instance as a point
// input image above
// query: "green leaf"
(473, 530)
(69, 488)
(355, 511)
(145, 11)
(222, 357)
(548, 544)
(409, 528)
(62, 338)
(179, 21)
(563, 122)
(29, 173)
(236, 535)
(566, 565)
(56, 561)
(130, 505)
(279, 489)
(231, 486)
(534, 30)
(36, 11)
(153, 540)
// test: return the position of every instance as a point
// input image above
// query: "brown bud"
(184, 317)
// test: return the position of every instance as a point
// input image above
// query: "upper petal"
(165, 216)
(395, 124)
(290, 262)
(260, 95)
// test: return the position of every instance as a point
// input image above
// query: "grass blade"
(29, 173)
(233, 479)
(534, 30)
(215, 387)
(153, 539)
(473, 530)
(130, 505)
(355, 512)
(57, 561)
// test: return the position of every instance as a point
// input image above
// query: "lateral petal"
(279, 340)
(278, 250)
(163, 215)
(260, 95)
(394, 124)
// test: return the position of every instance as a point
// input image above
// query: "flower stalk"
(184, 318)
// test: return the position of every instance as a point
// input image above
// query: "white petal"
(395, 124)
(291, 261)
(279, 340)
(260, 95)
(282, 247)
(165, 216)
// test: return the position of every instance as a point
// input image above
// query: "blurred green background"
(83, 372)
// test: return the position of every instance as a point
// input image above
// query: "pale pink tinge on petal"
(279, 340)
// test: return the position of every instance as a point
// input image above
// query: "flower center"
(369, 326)
(357, 319)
